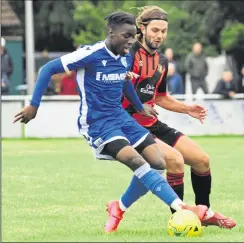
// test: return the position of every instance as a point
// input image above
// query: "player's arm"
(168, 102)
(131, 95)
(72, 61)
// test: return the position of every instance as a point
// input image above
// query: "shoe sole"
(217, 225)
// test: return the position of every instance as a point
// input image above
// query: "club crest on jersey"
(160, 68)
(104, 62)
(123, 61)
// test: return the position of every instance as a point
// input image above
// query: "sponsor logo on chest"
(110, 77)
(149, 89)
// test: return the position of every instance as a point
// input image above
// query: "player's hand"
(149, 111)
(131, 75)
(197, 111)
(26, 114)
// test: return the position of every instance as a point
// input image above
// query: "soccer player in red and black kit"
(177, 149)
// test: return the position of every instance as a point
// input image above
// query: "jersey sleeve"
(162, 88)
(81, 58)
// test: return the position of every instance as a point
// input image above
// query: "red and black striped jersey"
(152, 80)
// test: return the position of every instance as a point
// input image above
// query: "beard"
(150, 45)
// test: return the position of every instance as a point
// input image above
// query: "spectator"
(68, 84)
(197, 67)
(175, 83)
(6, 68)
(169, 53)
(225, 86)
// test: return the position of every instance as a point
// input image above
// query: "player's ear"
(143, 29)
(110, 31)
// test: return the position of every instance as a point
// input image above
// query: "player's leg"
(149, 178)
(201, 179)
(165, 138)
(148, 149)
(122, 151)
(136, 189)
(174, 164)
(198, 160)
(175, 170)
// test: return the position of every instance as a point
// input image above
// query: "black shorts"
(165, 133)
(115, 146)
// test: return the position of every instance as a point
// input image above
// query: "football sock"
(209, 214)
(135, 190)
(176, 181)
(156, 184)
(177, 204)
(201, 183)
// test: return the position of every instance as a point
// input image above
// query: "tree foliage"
(53, 23)
(232, 36)
(90, 18)
(218, 24)
(188, 23)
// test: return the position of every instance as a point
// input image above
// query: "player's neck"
(110, 47)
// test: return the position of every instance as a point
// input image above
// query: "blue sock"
(135, 190)
(156, 184)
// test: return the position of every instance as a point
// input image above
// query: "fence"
(57, 116)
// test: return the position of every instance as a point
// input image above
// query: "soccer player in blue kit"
(102, 77)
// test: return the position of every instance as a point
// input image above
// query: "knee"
(159, 164)
(205, 161)
(175, 163)
(136, 162)
(202, 164)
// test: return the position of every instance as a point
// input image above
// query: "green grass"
(54, 190)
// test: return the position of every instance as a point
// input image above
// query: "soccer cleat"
(219, 220)
(199, 210)
(115, 216)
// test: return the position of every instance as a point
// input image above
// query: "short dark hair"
(118, 18)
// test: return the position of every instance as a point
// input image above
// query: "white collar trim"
(111, 53)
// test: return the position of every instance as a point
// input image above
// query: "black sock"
(176, 181)
(201, 183)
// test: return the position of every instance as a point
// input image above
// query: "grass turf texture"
(54, 190)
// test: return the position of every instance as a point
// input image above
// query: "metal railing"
(77, 98)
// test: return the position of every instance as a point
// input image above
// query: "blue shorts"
(122, 127)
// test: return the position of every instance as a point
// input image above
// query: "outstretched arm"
(80, 58)
(43, 79)
(168, 102)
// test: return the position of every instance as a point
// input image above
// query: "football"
(184, 223)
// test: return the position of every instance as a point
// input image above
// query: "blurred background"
(213, 32)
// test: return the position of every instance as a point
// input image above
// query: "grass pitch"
(54, 190)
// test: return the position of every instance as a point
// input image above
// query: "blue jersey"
(101, 81)
(100, 78)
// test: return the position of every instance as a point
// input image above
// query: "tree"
(90, 18)
(53, 23)
(232, 35)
